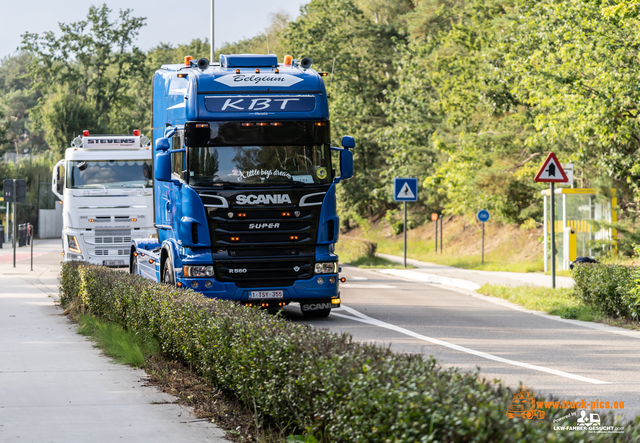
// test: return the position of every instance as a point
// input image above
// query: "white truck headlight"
(198, 271)
(72, 241)
(327, 268)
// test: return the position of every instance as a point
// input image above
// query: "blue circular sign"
(483, 215)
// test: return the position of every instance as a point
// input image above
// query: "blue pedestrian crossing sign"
(405, 189)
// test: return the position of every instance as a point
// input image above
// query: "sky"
(175, 22)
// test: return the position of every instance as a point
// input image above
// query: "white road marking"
(365, 286)
(430, 278)
(358, 278)
(372, 321)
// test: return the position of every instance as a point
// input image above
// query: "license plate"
(254, 295)
(113, 263)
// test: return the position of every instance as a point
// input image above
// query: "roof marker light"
(277, 71)
(202, 125)
(276, 124)
(288, 60)
(85, 133)
(136, 132)
(257, 71)
(248, 124)
(262, 124)
(182, 75)
(323, 74)
(237, 70)
(187, 60)
(321, 123)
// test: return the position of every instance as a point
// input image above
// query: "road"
(562, 358)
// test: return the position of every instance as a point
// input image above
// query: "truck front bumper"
(320, 287)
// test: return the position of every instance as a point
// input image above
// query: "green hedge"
(609, 289)
(311, 380)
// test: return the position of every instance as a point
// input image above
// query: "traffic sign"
(483, 215)
(20, 191)
(405, 189)
(434, 217)
(551, 171)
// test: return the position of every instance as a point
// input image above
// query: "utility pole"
(213, 46)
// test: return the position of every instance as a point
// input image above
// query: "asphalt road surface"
(561, 358)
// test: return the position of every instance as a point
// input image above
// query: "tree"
(576, 64)
(83, 73)
(17, 133)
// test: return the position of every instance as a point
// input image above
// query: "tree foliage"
(83, 73)
(466, 95)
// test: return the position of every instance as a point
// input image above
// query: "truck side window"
(177, 160)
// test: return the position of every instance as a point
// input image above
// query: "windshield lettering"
(259, 165)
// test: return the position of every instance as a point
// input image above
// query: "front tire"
(133, 264)
(167, 274)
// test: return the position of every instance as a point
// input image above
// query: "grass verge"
(123, 346)
(560, 301)
(498, 260)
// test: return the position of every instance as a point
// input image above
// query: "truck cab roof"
(241, 86)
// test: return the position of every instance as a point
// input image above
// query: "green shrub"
(310, 380)
(351, 249)
(609, 289)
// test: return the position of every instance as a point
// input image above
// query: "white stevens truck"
(105, 183)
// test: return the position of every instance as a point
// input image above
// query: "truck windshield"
(109, 174)
(259, 165)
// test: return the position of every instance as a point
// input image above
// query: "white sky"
(175, 22)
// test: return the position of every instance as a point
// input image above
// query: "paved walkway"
(56, 387)
(432, 271)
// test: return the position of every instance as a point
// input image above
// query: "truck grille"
(260, 227)
(272, 273)
(104, 252)
(112, 240)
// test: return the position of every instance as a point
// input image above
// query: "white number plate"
(254, 295)
(113, 263)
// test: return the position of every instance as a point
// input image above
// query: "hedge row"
(609, 289)
(311, 380)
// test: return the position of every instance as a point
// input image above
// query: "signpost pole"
(553, 238)
(15, 217)
(482, 242)
(436, 237)
(441, 229)
(31, 240)
(405, 234)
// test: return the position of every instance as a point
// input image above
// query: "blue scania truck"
(244, 189)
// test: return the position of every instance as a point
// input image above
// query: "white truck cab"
(105, 184)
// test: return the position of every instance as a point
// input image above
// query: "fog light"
(332, 280)
(194, 284)
(335, 301)
(320, 280)
(207, 284)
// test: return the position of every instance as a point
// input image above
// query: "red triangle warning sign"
(551, 171)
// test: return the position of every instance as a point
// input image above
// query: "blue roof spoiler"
(249, 61)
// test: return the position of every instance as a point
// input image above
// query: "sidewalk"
(56, 387)
(435, 273)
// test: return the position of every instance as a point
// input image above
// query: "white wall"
(50, 222)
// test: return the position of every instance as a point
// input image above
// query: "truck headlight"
(327, 268)
(198, 271)
(72, 241)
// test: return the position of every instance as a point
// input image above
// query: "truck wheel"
(133, 264)
(168, 276)
(318, 313)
